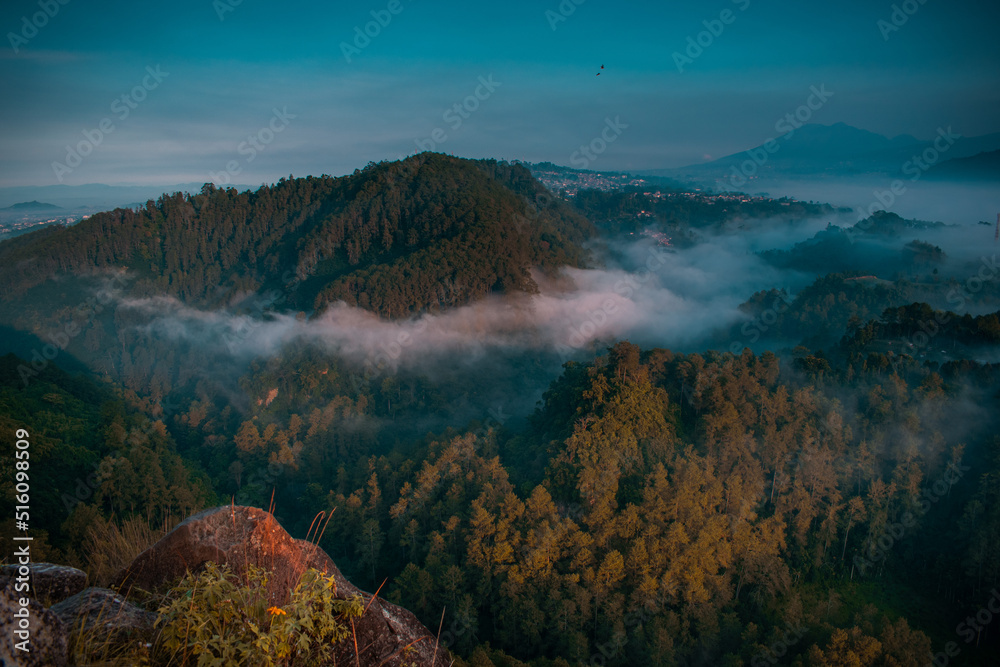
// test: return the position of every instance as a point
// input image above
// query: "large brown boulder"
(386, 634)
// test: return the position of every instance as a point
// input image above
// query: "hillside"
(533, 503)
(872, 246)
(472, 224)
(32, 206)
(662, 508)
(982, 167)
(837, 150)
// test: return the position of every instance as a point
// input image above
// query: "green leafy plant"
(209, 617)
(306, 629)
(216, 617)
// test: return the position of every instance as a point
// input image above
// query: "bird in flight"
(599, 74)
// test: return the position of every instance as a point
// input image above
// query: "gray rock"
(51, 583)
(107, 609)
(46, 639)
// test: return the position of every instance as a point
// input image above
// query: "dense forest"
(385, 238)
(817, 483)
(658, 508)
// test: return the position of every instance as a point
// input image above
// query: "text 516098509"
(22, 516)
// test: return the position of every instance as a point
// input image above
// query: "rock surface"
(47, 642)
(51, 583)
(117, 619)
(386, 634)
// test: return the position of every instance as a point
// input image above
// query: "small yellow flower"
(275, 611)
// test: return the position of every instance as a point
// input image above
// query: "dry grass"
(95, 646)
(111, 545)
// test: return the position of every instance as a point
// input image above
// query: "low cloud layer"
(651, 294)
(648, 293)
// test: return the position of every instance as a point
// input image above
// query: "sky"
(248, 91)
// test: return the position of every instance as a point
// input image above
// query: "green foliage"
(686, 497)
(91, 445)
(678, 499)
(218, 618)
(658, 508)
(210, 619)
(386, 238)
(818, 313)
(304, 631)
(917, 328)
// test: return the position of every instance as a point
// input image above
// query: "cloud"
(650, 294)
(509, 348)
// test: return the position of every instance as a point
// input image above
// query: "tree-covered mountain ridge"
(384, 238)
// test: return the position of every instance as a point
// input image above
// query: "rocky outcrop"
(107, 613)
(50, 583)
(45, 633)
(386, 634)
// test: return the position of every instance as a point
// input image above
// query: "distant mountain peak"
(33, 206)
(839, 149)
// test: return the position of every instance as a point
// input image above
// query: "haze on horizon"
(322, 97)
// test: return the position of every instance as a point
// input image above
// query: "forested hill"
(384, 238)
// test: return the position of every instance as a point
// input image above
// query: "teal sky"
(225, 77)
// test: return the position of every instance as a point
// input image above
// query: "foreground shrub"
(216, 618)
